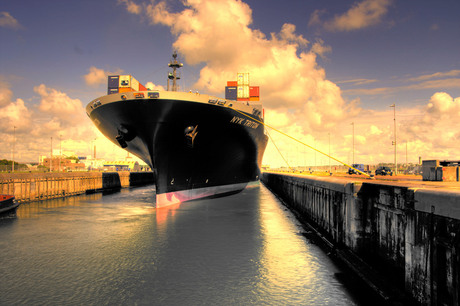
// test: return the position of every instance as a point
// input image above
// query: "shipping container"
(134, 84)
(125, 89)
(253, 98)
(232, 83)
(114, 81)
(112, 91)
(243, 91)
(231, 93)
(253, 91)
(124, 81)
(243, 99)
(243, 79)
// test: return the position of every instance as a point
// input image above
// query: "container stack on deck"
(240, 90)
(123, 83)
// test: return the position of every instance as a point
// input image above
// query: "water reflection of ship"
(198, 145)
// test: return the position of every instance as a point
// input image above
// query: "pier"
(402, 239)
(27, 187)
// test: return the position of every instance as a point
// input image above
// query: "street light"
(51, 155)
(14, 143)
(60, 152)
(353, 124)
(329, 153)
(394, 142)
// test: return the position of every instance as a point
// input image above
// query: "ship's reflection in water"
(118, 249)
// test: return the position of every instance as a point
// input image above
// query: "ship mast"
(174, 64)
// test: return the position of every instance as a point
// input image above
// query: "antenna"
(174, 64)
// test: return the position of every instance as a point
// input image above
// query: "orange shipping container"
(125, 89)
(232, 83)
(253, 91)
(253, 98)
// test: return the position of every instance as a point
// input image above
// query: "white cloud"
(69, 111)
(361, 15)
(435, 75)
(152, 86)
(8, 21)
(96, 76)
(131, 6)
(5, 93)
(285, 70)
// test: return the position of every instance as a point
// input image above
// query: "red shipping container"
(253, 91)
(232, 83)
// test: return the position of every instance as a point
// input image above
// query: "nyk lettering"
(244, 122)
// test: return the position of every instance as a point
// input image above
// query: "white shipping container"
(125, 81)
(243, 78)
(243, 91)
(134, 84)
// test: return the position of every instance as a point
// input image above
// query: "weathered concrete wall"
(28, 187)
(410, 236)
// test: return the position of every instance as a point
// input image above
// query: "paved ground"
(413, 181)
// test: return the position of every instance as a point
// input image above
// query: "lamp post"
(353, 124)
(14, 144)
(51, 155)
(394, 142)
(329, 134)
(60, 152)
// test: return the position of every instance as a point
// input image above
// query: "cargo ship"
(198, 145)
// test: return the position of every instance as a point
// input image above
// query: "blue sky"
(321, 65)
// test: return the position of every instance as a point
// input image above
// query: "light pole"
(394, 142)
(60, 152)
(14, 144)
(51, 155)
(329, 134)
(353, 124)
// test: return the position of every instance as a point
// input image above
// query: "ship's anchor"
(124, 135)
(190, 134)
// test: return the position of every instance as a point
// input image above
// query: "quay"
(401, 238)
(27, 187)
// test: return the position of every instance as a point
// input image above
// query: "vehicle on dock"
(8, 204)
(359, 167)
(382, 170)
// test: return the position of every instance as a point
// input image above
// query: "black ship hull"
(196, 147)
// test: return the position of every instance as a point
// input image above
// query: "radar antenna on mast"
(174, 64)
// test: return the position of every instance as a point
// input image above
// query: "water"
(118, 249)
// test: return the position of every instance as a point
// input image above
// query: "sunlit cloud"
(361, 15)
(436, 75)
(8, 21)
(96, 76)
(131, 6)
(281, 64)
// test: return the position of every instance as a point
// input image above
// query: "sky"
(328, 71)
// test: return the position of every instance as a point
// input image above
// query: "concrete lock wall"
(409, 236)
(28, 187)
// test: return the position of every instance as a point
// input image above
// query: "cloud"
(131, 6)
(281, 64)
(8, 21)
(152, 86)
(361, 15)
(443, 105)
(96, 76)
(436, 75)
(5, 93)
(68, 111)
